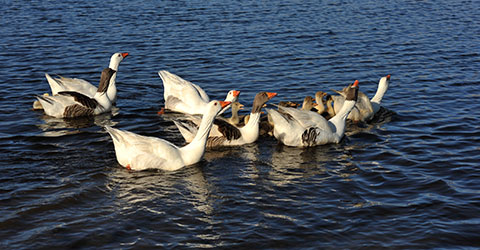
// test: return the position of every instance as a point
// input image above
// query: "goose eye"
(215, 104)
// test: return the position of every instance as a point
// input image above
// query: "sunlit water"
(410, 179)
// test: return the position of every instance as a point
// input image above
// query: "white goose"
(84, 87)
(365, 109)
(183, 96)
(139, 152)
(81, 86)
(68, 104)
(301, 128)
(226, 134)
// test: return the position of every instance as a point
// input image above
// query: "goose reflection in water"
(54, 127)
(291, 164)
(140, 189)
(165, 197)
(247, 152)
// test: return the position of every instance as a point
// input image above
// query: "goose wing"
(70, 84)
(182, 89)
(305, 118)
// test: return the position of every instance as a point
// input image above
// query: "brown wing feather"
(229, 131)
(81, 98)
(215, 141)
(77, 110)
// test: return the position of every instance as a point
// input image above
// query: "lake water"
(411, 179)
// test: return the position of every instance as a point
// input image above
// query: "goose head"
(385, 80)
(260, 99)
(351, 92)
(232, 95)
(236, 106)
(319, 97)
(116, 59)
(234, 119)
(214, 107)
(308, 103)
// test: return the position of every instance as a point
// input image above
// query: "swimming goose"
(70, 104)
(365, 108)
(226, 134)
(183, 96)
(137, 152)
(300, 128)
(81, 86)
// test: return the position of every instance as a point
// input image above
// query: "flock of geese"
(320, 120)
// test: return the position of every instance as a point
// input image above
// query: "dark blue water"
(411, 179)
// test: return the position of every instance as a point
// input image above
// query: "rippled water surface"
(410, 179)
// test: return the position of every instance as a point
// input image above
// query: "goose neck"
(193, 152)
(250, 131)
(381, 90)
(339, 120)
(112, 88)
(114, 64)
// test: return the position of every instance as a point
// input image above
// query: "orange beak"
(388, 77)
(315, 104)
(355, 84)
(236, 93)
(271, 95)
(124, 54)
(224, 104)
